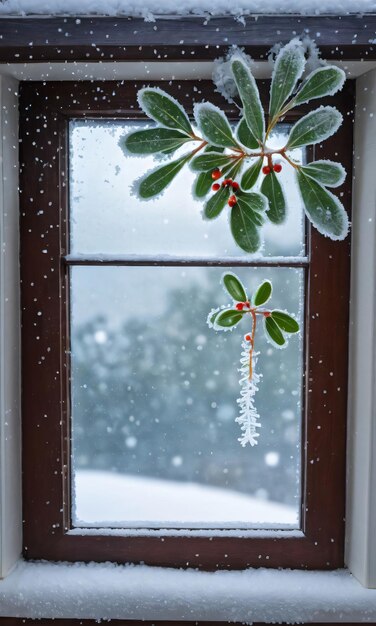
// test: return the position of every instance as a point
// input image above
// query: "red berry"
(227, 182)
(266, 170)
(247, 337)
(232, 201)
(235, 186)
(239, 306)
(216, 174)
(216, 186)
(277, 167)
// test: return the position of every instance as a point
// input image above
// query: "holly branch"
(229, 162)
(277, 324)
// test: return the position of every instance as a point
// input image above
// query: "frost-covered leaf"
(250, 97)
(228, 318)
(314, 127)
(329, 173)
(211, 317)
(234, 287)
(263, 293)
(285, 321)
(164, 109)
(245, 136)
(214, 125)
(154, 140)
(202, 184)
(288, 68)
(273, 332)
(155, 182)
(323, 208)
(324, 81)
(216, 203)
(251, 175)
(255, 205)
(210, 161)
(246, 217)
(271, 188)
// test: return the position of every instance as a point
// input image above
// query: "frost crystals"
(248, 415)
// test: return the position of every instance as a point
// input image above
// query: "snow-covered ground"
(148, 8)
(111, 499)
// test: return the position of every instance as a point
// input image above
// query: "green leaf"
(250, 97)
(212, 315)
(328, 173)
(216, 203)
(162, 108)
(214, 125)
(263, 293)
(251, 175)
(288, 68)
(234, 287)
(160, 178)
(246, 217)
(323, 208)
(285, 321)
(245, 136)
(273, 332)
(271, 188)
(210, 161)
(325, 81)
(202, 184)
(314, 127)
(154, 140)
(254, 204)
(228, 318)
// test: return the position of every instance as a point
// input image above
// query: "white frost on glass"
(249, 416)
(150, 8)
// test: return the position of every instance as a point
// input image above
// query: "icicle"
(248, 417)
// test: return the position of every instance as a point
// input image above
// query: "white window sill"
(105, 591)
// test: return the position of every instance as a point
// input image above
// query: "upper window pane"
(107, 219)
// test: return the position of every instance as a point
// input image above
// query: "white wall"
(10, 448)
(361, 493)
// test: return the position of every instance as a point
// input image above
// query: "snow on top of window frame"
(149, 9)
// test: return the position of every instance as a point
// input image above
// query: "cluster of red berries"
(228, 182)
(242, 305)
(266, 169)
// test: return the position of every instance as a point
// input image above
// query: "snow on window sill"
(95, 591)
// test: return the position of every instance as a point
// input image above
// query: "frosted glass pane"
(107, 219)
(154, 401)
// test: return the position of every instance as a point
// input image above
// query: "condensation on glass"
(153, 390)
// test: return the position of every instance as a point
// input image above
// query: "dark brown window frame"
(45, 110)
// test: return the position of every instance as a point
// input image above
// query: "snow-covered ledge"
(104, 591)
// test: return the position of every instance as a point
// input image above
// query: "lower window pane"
(154, 390)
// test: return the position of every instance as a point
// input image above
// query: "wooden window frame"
(45, 110)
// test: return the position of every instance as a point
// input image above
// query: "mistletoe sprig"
(277, 324)
(229, 163)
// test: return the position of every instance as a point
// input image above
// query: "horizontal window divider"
(240, 533)
(108, 260)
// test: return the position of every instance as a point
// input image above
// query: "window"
(56, 269)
